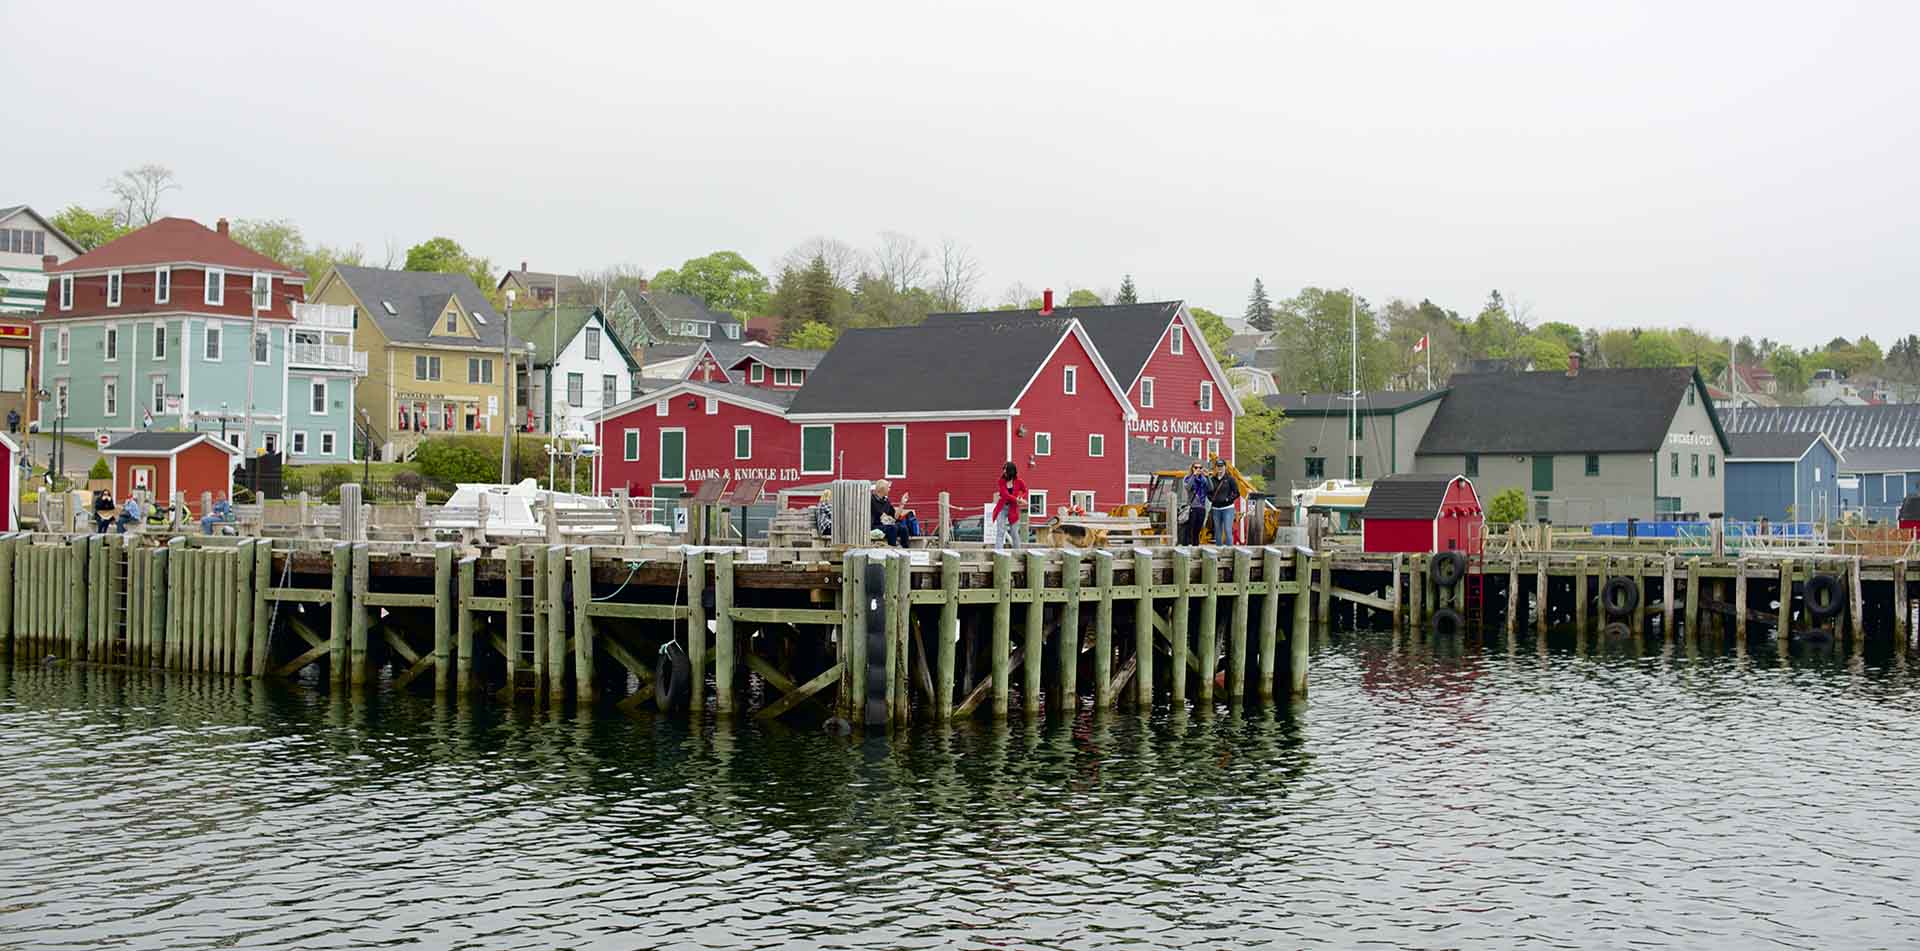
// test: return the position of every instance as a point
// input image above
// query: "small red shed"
(9, 484)
(1422, 512)
(165, 463)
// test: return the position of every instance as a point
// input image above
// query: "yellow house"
(433, 353)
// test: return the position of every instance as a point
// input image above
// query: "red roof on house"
(763, 329)
(169, 241)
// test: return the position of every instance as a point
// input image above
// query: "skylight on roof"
(391, 312)
(482, 321)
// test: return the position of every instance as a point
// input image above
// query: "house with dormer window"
(432, 345)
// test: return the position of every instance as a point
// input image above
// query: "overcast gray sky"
(1743, 167)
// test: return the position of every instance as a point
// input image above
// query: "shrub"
(100, 469)
(1509, 505)
(452, 459)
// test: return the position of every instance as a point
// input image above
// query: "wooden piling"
(1695, 594)
(1783, 628)
(949, 636)
(1067, 645)
(1740, 599)
(1035, 634)
(585, 684)
(1002, 629)
(556, 556)
(262, 614)
(1207, 639)
(852, 635)
(1143, 616)
(1514, 600)
(1326, 588)
(1541, 602)
(1297, 638)
(1417, 596)
(176, 595)
(1580, 595)
(357, 638)
(74, 617)
(1642, 604)
(463, 636)
(1393, 596)
(1270, 617)
(1900, 603)
(157, 615)
(1237, 627)
(1666, 598)
(1177, 627)
(1103, 631)
(442, 617)
(1856, 603)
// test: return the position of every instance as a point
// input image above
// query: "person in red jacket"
(1010, 501)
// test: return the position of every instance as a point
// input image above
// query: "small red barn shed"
(1422, 512)
(165, 463)
(9, 484)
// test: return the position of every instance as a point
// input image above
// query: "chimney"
(1046, 302)
(220, 227)
(523, 267)
(47, 261)
(1573, 363)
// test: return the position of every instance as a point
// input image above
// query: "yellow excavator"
(1168, 481)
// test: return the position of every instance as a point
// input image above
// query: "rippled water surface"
(1431, 796)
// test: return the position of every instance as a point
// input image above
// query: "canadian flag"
(1420, 346)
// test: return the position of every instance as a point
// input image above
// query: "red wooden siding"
(861, 449)
(775, 455)
(1176, 394)
(186, 293)
(706, 370)
(201, 468)
(1046, 408)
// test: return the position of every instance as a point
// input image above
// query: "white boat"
(515, 511)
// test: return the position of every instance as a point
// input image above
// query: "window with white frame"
(262, 346)
(1043, 444)
(453, 321)
(1136, 496)
(1206, 396)
(673, 455)
(63, 345)
(576, 389)
(158, 392)
(757, 372)
(216, 287)
(270, 442)
(779, 376)
(262, 291)
(213, 341)
(593, 343)
(743, 442)
(110, 398)
(1036, 503)
(162, 284)
(713, 406)
(630, 445)
(1213, 448)
(816, 450)
(1180, 445)
(732, 331)
(111, 341)
(61, 404)
(479, 369)
(115, 279)
(609, 389)
(237, 440)
(299, 442)
(896, 461)
(1081, 499)
(1146, 392)
(326, 443)
(160, 340)
(1177, 342)
(1070, 382)
(797, 377)
(66, 292)
(426, 368)
(959, 446)
(317, 397)
(660, 408)
(1096, 445)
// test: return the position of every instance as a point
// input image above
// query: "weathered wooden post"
(262, 610)
(859, 601)
(1298, 638)
(75, 614)
(1067, 644)
(1394, 597)
(1666, 597)
(1855, 603)
(852, 634)
(357, 646)
(1103, 630)
(1143, 628)
(353, 521)
(1270, 619)
(1514, 602)
(556, 556)
(1207, 643)
(1783, 628)
(1542, 601)
(1900, 605)
(443, 621)
(7, 581)
(949, 635)
(1740, 598)
(624, 507)
(1645, 603)
(1237, 627)
(341, 613)
(585, 681)
(463, 637)
(1695, 594)
(1177, 625)
(944, 533)
(1035, 633)
(549, 517)
(1325, 561)
(1580, 596)
(724, 642)
(1002, 629)
(1416, 595)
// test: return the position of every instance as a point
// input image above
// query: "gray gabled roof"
(1125, 334)
(162, 443)
(1757, 446)
(1146, 457)
(938, 366)
(418, 297)
(1372, 403)
(11, 210)
(1881, 459)
(1883, 426)
(1593, 411)
(1408, 495)
(781, 358)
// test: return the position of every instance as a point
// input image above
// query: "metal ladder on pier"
(119, 603)
(1474, 586)
(523, 641)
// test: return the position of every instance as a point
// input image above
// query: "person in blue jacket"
(1199, 490)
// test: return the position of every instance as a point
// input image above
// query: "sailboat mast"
(1353, 388)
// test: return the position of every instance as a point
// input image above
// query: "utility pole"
(506, 399)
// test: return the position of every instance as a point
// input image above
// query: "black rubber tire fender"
(1446, 622)
(1447, 568)
(1619, 596)
(672, 678)
(1825, 596)
(1617, 630)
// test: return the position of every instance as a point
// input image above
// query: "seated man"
(130, 515)
(222, 513)
(893, 527)
(823, 515)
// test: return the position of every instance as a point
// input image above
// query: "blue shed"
(1886, 476)
(1783, 477)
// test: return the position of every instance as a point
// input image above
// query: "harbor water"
(1476, 795)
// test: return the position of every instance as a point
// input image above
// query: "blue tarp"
(1678, 529)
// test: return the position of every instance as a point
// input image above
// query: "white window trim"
(162, 284)
(63, 346)
(757, 373)
(1074, 497)
(712, 407)
(254, 348)
(210, 331)
(780, 376)
(659, 407)
(949, 447)
(157, 383)
(110, 397)
(885, 440)
(159, 340)
(1177, 344)
(66, 292)
(1038, 449)
(630, 445)
(797, 377)
(803, 449)
(317, 387)
(259, 298)
(270, 441)
(1039, 511)
(662, 468)
(1213, 448)
(1096, 445)
(116, 286)
(581, 401)
(1146, 392)
(216, 289)
(1070, 380)
(326, 438)
(298, 445)
(737, 430)
(1206, 396)
(110, 343)
(592, 343)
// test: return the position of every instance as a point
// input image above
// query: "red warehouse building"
(1181, 395)
(165, 463)
(776, 368)
(931, 408)
(1422, 512)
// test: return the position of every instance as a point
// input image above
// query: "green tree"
(89, 229)
(1127, 295)
(1656, 348)
(1256, 433)
(723, 279)
(445, 256)
(1790, 370)
(813, 335)
(276, 238)
(1314, 327)
(1509, 505)
(878, 303)
(1259, 313)
(1567, 335)
(1214, 328)
(1544, 353)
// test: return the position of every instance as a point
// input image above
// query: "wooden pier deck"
(870, 637)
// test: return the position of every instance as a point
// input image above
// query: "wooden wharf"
(872, 637)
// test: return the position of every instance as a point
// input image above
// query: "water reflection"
(1490, 792)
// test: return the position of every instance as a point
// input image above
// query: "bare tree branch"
(844, 261)
(902, 260)
(139, 191)
(959, 276)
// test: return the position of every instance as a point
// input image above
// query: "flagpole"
(1428, 341)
